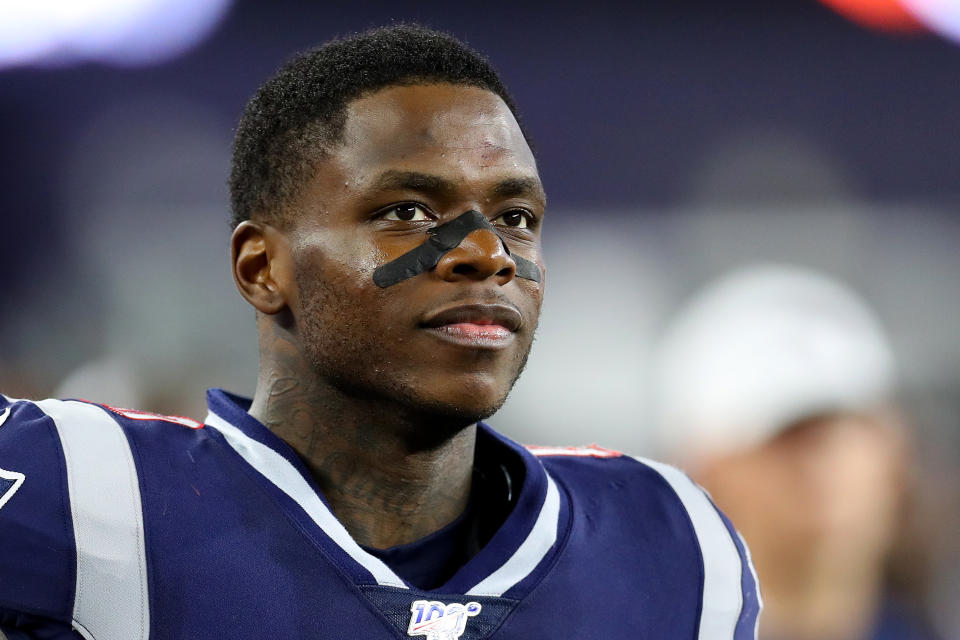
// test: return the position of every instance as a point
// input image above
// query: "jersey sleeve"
(731, 601)
(19, 626)
(37, 551)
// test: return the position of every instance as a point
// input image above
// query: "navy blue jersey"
(123, 525)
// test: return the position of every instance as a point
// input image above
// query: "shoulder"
(605, 472)
(67, 472)
(37, 554)
(85, 439)
(17, 414)
(609, 480)
(659, 504)
(592, 467)
(77, 427)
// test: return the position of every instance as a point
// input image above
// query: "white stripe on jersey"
(530, 552)
(722, 588)
(756, 584)
(280, 472)
(111, 602)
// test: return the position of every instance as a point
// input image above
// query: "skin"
(382, 408)
(819, 505)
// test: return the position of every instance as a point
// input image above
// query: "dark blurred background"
(676, 140)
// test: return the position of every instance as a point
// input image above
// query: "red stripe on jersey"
(135, 414)
(590, 451)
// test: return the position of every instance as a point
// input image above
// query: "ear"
(262, 266)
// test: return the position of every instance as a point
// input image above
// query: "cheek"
(537, 258)
(534, 290)
(541, 286)
(344, 260)
(536, 296)
(335, 290)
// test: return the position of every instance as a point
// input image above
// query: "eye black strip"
(443, 239)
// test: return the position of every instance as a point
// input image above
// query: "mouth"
(490, 326)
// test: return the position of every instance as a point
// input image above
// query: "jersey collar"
(509, 565)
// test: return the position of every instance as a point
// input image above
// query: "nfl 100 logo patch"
(439, 621)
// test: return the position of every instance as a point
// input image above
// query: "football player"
(388, 215)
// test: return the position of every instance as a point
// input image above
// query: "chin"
(457, 406)
(463, 409)
(480, 395)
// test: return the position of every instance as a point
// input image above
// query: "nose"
(479, 256)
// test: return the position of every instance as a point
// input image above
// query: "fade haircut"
(298, 116)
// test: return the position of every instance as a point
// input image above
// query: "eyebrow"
(416, 181)
(413, 180)
(512, 187)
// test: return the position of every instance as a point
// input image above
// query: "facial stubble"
(343, 351)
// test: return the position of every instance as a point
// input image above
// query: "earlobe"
(258, 255)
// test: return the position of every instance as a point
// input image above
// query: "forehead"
(440, 127)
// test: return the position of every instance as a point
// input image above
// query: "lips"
(476, 314)
(475, 325)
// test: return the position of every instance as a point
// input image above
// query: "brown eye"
(406, 212)
(516, 218)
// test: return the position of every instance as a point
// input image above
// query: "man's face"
(827, 490)
(450, 341)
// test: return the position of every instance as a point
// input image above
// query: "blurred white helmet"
(760, 349)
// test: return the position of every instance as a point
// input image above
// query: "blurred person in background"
(774, 388)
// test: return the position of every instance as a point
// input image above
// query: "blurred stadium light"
(939, 16)
(121, 32)
(886, 15)
(943, 16)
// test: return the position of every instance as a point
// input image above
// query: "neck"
(385, 482)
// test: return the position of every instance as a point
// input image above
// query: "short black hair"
(299, 114)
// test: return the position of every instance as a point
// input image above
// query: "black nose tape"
(443, 239)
